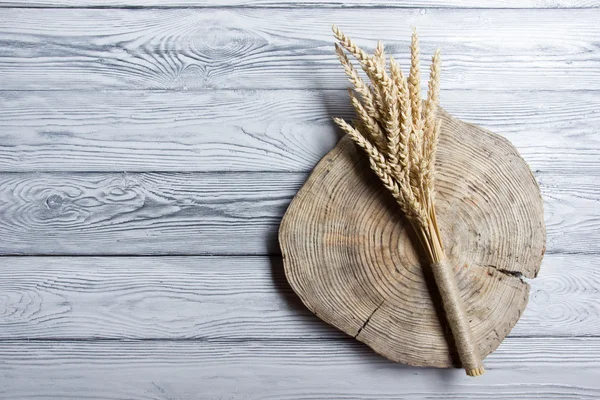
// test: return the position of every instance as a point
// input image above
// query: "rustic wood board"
(191, 49)
(353, 260)
(228, 130)
(527, 369)
(211, 213)
(227, 297)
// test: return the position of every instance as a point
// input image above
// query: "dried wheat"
(372, 129)
(400, 140)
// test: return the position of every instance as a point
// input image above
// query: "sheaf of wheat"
(399, 134)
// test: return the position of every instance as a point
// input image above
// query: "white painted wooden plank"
(148, 213)
(341, 370)
(564, 299)
(234, 298)
(190, 49)
(567, 220)
(209, 213)
(282, 130)
(307, 3)
(151, 297)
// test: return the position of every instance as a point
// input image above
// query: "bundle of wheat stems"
(400, 137)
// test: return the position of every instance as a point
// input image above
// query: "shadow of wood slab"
(351, 256)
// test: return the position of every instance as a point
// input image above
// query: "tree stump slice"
(352, 257)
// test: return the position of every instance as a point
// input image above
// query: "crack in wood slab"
(368, 319)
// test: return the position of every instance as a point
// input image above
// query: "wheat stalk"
(400, 138)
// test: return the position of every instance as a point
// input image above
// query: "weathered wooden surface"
(211, 213)
(228, 130)
(288, 370)
(191, 49)
(82, 298)
(78, 94)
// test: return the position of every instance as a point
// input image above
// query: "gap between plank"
(218, 340)
(7, 255)
(256, 89)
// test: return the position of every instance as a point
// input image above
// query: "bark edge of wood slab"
(351, 257)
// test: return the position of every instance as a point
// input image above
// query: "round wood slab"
(354, 261)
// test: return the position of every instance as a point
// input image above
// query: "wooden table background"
(148, 150)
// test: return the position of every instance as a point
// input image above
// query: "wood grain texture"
(85, 298)
(230, 130)
(354, 260)
(306, 3)
(149, 213)
(190, 49)
(209, 213)
(531, 75)
(341, 370)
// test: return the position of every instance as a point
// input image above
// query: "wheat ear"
(372, 129)
(431, 128)
(359, 85)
